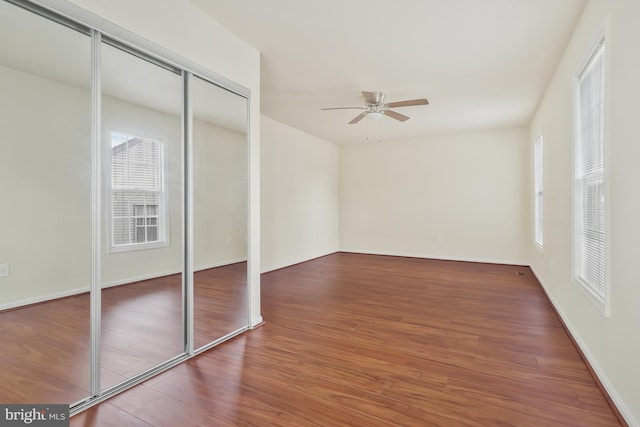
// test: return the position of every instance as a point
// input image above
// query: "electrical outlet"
(4, 270)
(440, 238)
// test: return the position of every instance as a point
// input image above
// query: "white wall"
(299, 196)
(45, 175)
(220, 196)
(611, 343)
(130, 266)
(400, 197)
(45, 182)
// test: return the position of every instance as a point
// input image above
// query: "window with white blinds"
(589, 253)
(137, 192)
(538, 190)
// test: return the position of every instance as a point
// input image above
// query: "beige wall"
(299, 196)
(612, 343)
(461, 196)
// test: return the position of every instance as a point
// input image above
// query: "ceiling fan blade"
(345, 108)
(370, 97)
(408, 103)
(359, 117)
(396, 116)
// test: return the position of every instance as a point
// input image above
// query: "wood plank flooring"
(364, 340)
(44, 353)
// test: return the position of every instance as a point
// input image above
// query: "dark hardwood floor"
(368, 340)
(364, 340)
(45, 348)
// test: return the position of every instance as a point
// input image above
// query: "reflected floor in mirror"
(45, 346)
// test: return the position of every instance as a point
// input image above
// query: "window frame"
(599, 177)
(163, 221)
(538, 191)
(145, 221)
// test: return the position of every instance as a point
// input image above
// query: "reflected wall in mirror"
(220, 206)
(45, 219)
(142, 256)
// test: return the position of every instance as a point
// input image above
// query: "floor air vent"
(521, 273)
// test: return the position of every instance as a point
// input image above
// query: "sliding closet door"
(142, 195)
(101, 154)
(45, 214)
(220, 205)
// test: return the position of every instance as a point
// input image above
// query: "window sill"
(137, 247)
(595, 299)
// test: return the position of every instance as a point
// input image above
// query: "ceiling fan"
(375, 107)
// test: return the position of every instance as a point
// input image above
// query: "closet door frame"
(70, 15)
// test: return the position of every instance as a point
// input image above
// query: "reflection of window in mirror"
(138, 197)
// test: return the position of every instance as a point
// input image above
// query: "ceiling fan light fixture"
(375, 115)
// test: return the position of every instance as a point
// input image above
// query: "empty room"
(278, 212)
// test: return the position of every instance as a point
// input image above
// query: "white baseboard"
(617, 400)
(256, 322)
(170, 272)
(295, 261)
(43, 298)
(76, 291)
(218, 264)
(139, 278)
(439, 257)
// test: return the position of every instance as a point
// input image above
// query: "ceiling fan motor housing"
(378, 96)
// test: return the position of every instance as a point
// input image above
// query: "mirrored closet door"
(45, 213)
(142, 198)
(220, 206)
(123, 226)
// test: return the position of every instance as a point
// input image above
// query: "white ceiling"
(38, 46)
(483, 64)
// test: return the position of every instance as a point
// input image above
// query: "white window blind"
(136, 190)
(589, 186)
(538, 190)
